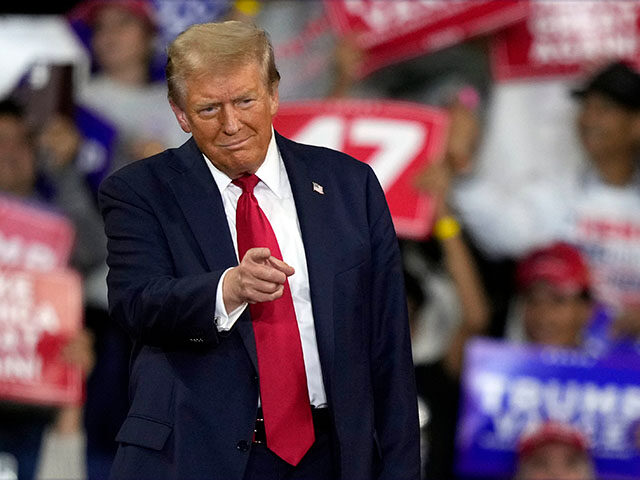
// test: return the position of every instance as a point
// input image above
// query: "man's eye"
(210, 110)
(246, 102)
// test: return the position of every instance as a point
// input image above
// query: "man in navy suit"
(177, 285)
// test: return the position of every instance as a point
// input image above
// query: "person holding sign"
(559, 364)
(262, 284)
(29, 162)
(37, 167)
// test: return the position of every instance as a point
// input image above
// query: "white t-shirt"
(138, 113)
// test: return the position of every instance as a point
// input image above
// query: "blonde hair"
(212, 47)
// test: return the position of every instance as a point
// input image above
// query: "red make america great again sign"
(39, 313)
(567, 38)
(32, 237)
(397, 139)
(394, 30)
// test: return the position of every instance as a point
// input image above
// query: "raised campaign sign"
(567, 38)
(40, 304)
(39, 312)
(397, 139)
(32, 237)
(509, 387)
(392, 31)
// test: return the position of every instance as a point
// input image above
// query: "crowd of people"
(529, 262)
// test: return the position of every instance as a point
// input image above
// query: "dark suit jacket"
(194, 391)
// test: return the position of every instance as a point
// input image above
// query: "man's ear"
(274, 98)
(181, 116)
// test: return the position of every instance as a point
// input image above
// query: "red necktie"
(283, 382)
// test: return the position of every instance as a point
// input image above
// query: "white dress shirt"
(274, 195)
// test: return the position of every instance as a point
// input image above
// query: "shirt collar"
(270, 172)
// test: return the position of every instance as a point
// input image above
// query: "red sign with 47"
(397, 139)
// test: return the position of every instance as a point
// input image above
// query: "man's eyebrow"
(214, 102)
(207, 103)
(243, 95)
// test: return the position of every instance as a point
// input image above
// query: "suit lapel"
(197, 195)
(199, 199)
(313, 214)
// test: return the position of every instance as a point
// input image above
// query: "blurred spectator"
(36, 167)
(555, 288)
(606, 221)
(123, 89)
(555, 307)
(555, 304)
(554, 451)
(170, 17)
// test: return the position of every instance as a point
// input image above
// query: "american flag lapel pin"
(318, 188)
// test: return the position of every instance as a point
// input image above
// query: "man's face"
(606, 128)
(229, 115)
(553, 317)
(556, 461)
(120, 39)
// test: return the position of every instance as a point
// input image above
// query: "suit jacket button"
(243, 446)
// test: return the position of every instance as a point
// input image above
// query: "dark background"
(46, 7)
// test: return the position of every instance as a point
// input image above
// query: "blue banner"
(598, 340)
(508, 388)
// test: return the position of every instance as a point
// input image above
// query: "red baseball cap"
(551, 432)
(560, 265)
(86, 11)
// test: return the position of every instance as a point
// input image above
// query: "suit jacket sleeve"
(145, 296)
(396, 415)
